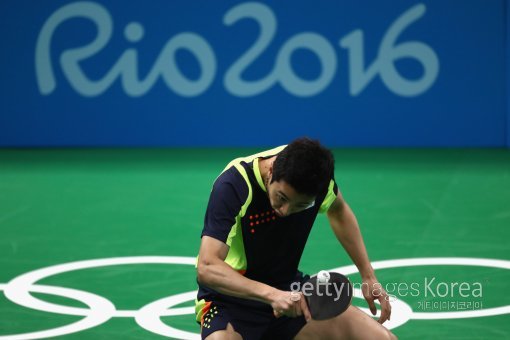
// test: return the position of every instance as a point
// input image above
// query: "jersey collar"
(258, 175)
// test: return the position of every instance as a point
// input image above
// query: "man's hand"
(373, 290)
(291, 304)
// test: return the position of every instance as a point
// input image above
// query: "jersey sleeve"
(227, 197)
(330, 196)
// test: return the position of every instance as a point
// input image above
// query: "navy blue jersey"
(262, 246)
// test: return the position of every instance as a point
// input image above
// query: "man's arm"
(213, 272)
(346, 229)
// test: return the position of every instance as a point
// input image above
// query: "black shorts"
(251, 323)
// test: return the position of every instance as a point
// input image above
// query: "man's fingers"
(385, 310)
(295, 297)
(305, 310)
(371, 304)
(383, 317)
(293, 307)
(389, 310)
(294, 310)
(297, 308)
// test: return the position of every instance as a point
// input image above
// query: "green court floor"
(142, 210)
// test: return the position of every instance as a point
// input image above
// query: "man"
(258, 219)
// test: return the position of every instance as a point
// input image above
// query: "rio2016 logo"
(100, 309)
(360, 72)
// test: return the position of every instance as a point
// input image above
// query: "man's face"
(285, 200)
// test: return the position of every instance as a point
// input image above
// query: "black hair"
(305, 165)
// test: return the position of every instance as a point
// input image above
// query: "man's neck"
(264, 166)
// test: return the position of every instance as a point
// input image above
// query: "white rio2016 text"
(126, 67)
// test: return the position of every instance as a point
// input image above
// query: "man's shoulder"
(250, 158)
(231, 176)
(238, 177)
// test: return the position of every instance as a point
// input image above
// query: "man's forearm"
(345, 226)
(221, 277)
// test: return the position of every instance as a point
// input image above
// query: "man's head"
(299, 173)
